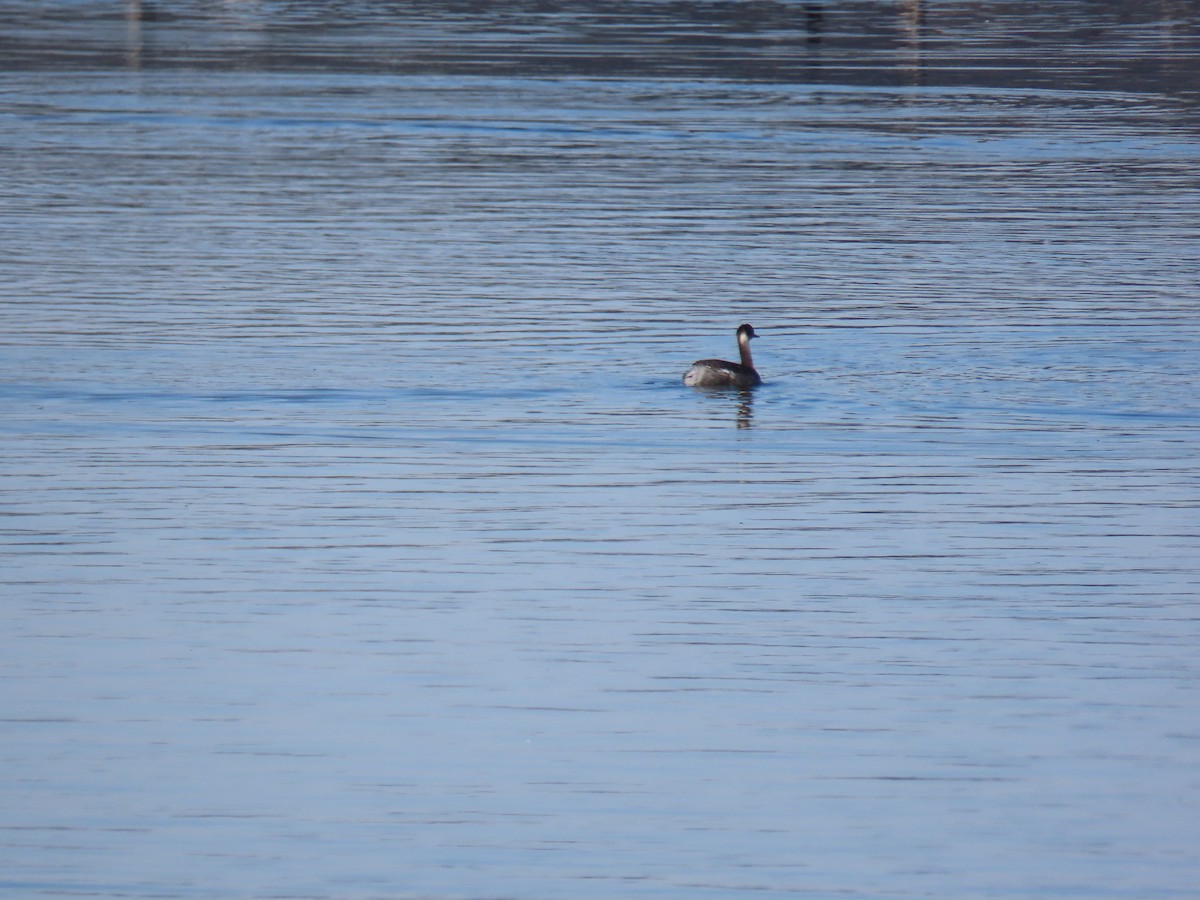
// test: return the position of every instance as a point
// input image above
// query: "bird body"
(720, 373)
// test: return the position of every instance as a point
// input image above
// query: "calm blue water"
(357, 538)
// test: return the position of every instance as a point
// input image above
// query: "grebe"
(719, 373)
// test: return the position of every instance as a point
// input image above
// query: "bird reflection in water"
(133, 33)
(912, 24)
(745, 409)
(740, 402)
(814, 22)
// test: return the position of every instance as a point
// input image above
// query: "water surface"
(357, 536)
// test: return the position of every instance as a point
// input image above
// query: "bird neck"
(744, 350)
